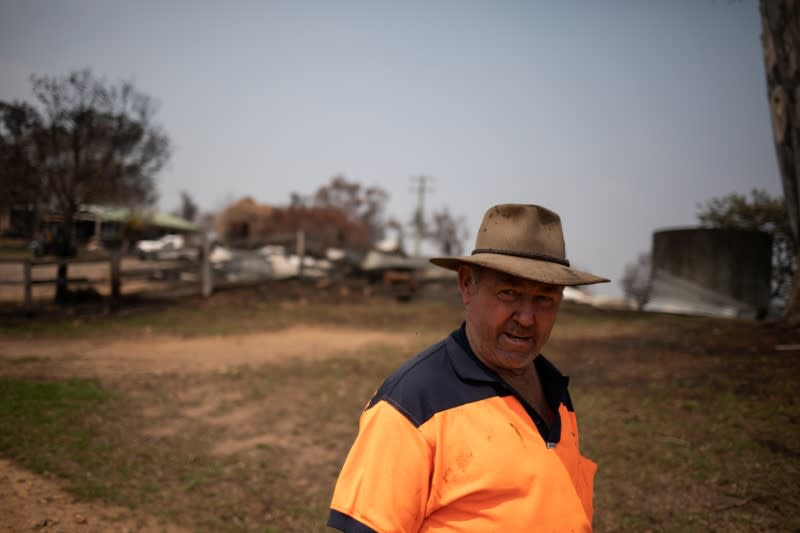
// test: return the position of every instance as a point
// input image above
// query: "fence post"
(301, 251)
(28, 280)
(116, 281)
(206, 283)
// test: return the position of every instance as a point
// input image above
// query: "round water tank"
(721, 271)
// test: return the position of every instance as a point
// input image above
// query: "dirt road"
(160, 354)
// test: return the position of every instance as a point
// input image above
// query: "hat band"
(540, 257)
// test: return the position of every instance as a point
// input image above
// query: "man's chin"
(523, 346)
(513, 360)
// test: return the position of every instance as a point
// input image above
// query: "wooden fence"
(29, 281)
(23, 280)
(106, 275)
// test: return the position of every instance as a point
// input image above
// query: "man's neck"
(524, 380)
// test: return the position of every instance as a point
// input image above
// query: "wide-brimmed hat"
(525, 241)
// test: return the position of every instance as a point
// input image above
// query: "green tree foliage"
(761, 212)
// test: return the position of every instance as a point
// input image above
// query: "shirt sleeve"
(384, 483)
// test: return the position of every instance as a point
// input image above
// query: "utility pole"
(422, 186)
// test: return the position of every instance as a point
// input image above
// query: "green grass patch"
(38, 418)
(98, 441)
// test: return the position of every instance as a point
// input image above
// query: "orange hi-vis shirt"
(445, 445)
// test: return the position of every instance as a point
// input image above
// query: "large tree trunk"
(780, 21)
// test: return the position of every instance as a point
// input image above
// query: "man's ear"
(465, 283)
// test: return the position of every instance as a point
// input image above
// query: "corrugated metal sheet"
(671, 294)
(121, 214)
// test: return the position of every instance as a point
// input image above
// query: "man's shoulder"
(416, 376)
(428, 383)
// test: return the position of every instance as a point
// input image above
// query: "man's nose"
(525, 314)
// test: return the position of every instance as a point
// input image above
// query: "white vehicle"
(167, 247)
(220, 254)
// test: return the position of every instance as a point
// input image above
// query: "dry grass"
(695, 423)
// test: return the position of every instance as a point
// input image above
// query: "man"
(477, 433)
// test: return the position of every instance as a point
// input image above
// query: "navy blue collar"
(471, 368)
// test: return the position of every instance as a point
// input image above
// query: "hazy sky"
(620, 116)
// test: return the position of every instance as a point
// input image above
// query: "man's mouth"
(516, 339)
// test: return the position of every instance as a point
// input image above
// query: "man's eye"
(508, 294)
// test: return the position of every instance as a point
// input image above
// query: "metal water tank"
(711, 271)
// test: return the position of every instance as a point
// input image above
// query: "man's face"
(509, 319)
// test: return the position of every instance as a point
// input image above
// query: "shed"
(105, 223)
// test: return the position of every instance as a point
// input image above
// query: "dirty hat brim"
(526, 241)
(531, 269)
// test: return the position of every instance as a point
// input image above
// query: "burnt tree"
(780, 20)
(82, 141)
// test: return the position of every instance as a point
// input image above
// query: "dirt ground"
(161, 354)
(247, 429)
(31, 502)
